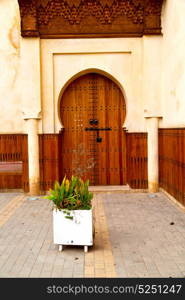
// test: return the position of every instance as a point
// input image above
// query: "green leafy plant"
(71, 194)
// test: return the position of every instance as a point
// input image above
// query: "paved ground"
(6, 198)
(133, 238)
(147, 235)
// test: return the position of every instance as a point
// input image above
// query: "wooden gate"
(137, 175)
(92, 112)
(172, 162)
(14, 161)
(49, 160)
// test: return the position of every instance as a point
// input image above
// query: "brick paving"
(100, 261)
(8, 210)
(133, 238)
(27, 249)
(5, 198)
(147, 234)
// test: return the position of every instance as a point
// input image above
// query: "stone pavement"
(147, 234)
(137, 235)
(5, 198)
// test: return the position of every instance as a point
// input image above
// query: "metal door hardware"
(93, 122)
(97, 129)
(98, 138)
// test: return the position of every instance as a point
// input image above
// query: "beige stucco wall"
(63, 59)
(150, 71)
(10, 102)
(173, 64)
(127, 60)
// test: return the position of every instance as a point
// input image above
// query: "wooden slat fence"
(49, 160)
(14, 162)
(136, 147)
(172, 162)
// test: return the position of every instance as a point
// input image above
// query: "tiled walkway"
(5, 198)
(137, 235)
(147, 234)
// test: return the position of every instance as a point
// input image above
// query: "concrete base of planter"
(75, 231)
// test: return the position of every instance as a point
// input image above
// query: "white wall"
(134, 62)
(62, 59)
(173, 64)
(150, 70)
(10, 103)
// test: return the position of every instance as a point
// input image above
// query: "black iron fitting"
(97, 129)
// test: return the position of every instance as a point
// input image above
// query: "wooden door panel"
(110, 113)
(93, 96)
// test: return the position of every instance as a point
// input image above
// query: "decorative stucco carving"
(102, 14)
(74, 18)
(28, 11)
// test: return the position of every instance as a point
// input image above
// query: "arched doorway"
(92, 111)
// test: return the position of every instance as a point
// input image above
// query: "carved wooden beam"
(28, 12)
(90, 18)
(152, 17)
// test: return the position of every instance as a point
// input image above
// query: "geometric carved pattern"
(90, 18)
(75, 14)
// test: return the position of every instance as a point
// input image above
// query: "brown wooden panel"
(25, 176)
(13, 161)
(137, 175)
(93, 96)
(48, 158)
(90, 18)
(172, 162)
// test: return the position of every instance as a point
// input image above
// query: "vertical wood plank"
(172, 162)
(137, 175)
(48, 160)
(13, 161)
(25, 179)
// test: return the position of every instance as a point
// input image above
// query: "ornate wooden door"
(92, 112)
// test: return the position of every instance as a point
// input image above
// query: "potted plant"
(72, 213)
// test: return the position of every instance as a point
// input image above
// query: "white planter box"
(78, 231)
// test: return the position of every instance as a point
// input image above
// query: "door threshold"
(109, 188)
